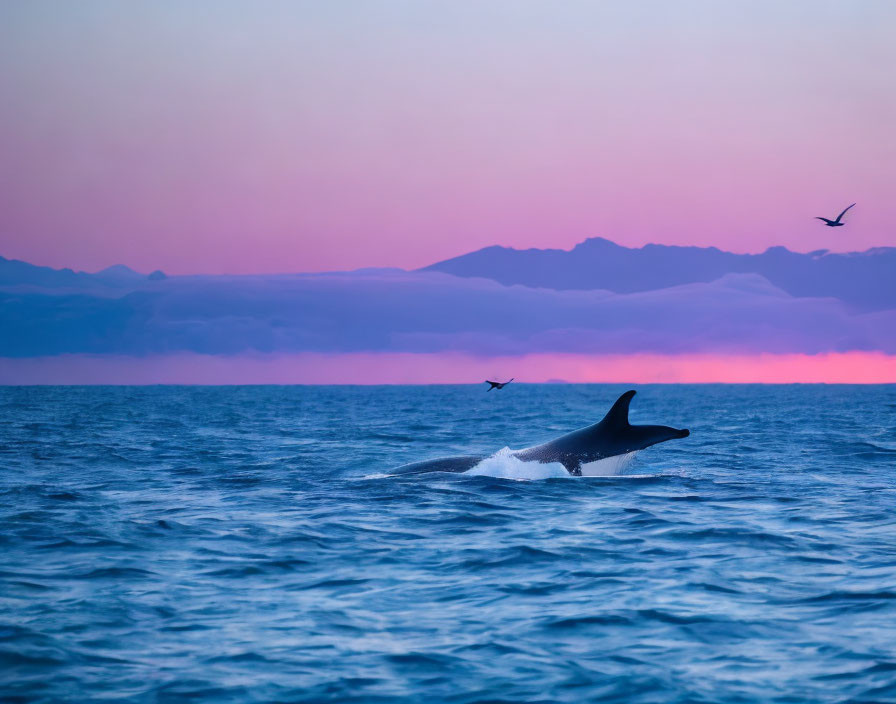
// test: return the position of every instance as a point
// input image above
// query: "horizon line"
(821, 251)
(448, 369)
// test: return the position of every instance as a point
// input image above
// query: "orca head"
(636, 437)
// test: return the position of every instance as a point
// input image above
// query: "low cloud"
(431, 312)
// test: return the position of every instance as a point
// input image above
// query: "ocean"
(249, 544)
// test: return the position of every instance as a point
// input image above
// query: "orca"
(612, 437)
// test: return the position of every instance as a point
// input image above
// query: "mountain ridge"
(15, 272)
(862, 279)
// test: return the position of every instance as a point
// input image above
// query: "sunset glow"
(844, 368)
(243, 141)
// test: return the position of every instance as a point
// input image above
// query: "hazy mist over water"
(247, 544)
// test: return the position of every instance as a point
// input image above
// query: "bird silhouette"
(835, 223)
(496, 384)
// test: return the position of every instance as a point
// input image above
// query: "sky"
(253, 137)
(404, 368)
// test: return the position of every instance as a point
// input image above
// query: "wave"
(752, 547)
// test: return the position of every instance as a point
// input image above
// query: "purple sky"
(302, 136)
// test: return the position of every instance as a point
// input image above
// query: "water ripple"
(248, 544)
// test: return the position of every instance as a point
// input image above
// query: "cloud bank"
(430, 312)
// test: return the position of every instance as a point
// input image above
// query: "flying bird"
(496, 384)
(835, 223)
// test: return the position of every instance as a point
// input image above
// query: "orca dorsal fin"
(617, 416)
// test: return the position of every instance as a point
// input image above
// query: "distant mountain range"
(598, 298)
(866, 280)
(14, 272)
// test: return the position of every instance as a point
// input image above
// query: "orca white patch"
(609, 466)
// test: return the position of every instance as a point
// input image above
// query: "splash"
(504, 465)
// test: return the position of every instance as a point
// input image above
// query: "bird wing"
(842, 214)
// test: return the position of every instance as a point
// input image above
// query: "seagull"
(496, 385)
(835, 223)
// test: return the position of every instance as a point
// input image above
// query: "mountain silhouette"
(865, 280)
(45, 312)
(18, 273)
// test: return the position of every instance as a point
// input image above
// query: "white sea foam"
(504, 465)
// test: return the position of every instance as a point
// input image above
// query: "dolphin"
(613, 436)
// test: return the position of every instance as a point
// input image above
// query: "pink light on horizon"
(408, 368)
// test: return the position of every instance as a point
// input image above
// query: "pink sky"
(446, 368)
(300, 136)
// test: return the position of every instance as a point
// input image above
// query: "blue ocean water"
(247, 544)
